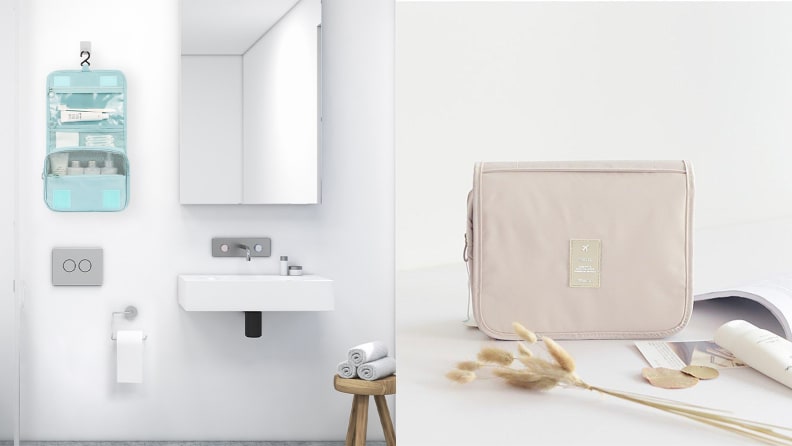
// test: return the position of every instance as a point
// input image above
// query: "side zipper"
(470, 322)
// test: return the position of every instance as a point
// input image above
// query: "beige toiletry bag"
(581, 249)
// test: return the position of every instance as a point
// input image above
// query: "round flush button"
(85, 265)
(69, 265)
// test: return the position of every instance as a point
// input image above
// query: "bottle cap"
(284, 258)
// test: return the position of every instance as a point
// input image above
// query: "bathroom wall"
(494, 81)
(280, 111)
(203, 379)
(7, 145)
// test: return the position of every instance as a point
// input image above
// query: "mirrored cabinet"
(250, 102)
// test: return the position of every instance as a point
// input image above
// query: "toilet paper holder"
(129, 314)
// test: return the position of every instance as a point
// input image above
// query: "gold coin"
(701, 371)
(668, 378)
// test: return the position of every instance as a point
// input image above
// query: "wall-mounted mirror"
(250, 102)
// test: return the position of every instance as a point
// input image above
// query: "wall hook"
(85, 51)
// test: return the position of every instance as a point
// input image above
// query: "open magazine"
(774, 294)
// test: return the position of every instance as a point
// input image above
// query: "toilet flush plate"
(77, 266)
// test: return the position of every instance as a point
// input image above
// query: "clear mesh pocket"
(97, 109)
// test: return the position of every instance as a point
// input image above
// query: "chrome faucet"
(247, 250)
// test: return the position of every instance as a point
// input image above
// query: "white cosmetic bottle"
(284, 265)
(108, 168)
(74, 168)
(760, 349)
(92, 169)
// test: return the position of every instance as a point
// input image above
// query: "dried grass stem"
(535, 373)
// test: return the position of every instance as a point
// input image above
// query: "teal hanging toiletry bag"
(86, 168)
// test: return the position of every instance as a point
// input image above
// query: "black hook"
(87, 55)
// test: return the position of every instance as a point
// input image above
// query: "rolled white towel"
(370, 351)
(347, 370)
(377, 369)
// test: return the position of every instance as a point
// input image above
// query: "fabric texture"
(581, 250)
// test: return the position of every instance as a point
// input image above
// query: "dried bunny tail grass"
(470, 366)
(558, 353)
(461, 376)
(524, 333)
(541, 367)
(495, 356)
(541, 374)
(525, 360)
(510, 373)
(526, 379)
(524, 351)
(541, 384)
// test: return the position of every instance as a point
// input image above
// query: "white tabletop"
(432, 411)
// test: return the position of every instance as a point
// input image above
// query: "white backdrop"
(494, 81)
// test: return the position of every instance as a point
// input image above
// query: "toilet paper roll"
(129, 356)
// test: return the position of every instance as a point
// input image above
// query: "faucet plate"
(241, 247)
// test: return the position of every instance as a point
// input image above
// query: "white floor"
(433, 411)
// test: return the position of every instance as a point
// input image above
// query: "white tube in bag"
(79, 116)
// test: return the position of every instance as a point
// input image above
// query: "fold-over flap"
(572, 249)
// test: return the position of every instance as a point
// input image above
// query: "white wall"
(7, 145)
(203, 379)
(493, 81)
(281, 110)
(210, 152)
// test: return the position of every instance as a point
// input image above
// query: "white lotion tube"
(760, 349)
(58, 163)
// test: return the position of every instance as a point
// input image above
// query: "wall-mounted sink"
(255, 293)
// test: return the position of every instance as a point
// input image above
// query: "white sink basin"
(255, 293)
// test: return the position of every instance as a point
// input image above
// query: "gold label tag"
(584, 263)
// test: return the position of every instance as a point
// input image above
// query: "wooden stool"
(358, 419)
